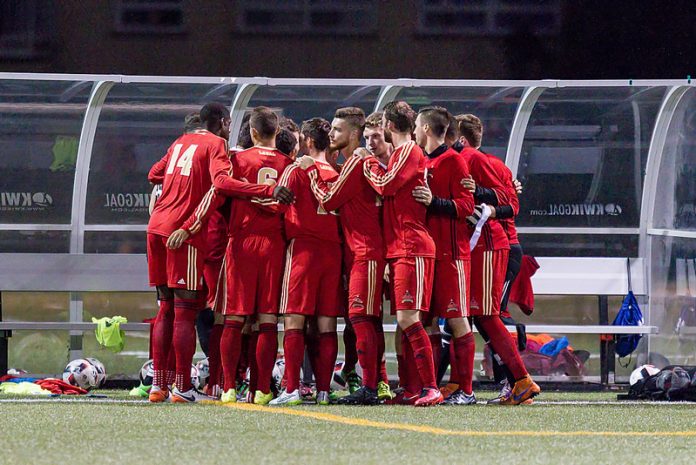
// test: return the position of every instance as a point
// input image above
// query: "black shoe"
(363, 396)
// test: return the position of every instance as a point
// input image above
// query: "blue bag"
(629, 315)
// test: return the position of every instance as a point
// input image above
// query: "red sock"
(367, 348)
(436, 345)
(464, 347)
(328, 350)
(413, 383)
(251, 357)
(184, 337)
(171, 366)
(162, 331)
(214, 365)
(350, 344)
(312, 343)
(381, 360)
(503, 345)
(293, 346)
(422, 354)
(266, 350)
(230, 349)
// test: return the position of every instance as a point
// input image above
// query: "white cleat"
(287, 398)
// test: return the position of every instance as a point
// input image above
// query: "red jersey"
(190, 165)
(405, 230)
(306, 218)
(358, 205)
(446, 169)
(492, 236)
(257, 165)
(505, 176)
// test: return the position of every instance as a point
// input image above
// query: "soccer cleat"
(458, 397)
(229, 397)
(157, 394)
(449, 389)
(306, 390)
(353, 381)
(187, 397)
(333, 395)
(403, 397)
(214, 390)
(523, 390)
(323, 398)
(262, 399)
(429, 396)
(363, 396)
(140, 391)
(384, 391)
(287, 398)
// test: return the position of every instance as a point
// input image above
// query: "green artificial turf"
(87, 431)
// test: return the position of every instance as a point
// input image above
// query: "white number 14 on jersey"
(183, 161)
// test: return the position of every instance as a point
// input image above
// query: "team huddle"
(415, 215)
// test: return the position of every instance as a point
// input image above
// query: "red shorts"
(488, 269)
(312, 279)
(180, 268)
(254, 270)
(451, 289)
(365, 287)
(412, 283)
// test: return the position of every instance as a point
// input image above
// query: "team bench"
(601, 277)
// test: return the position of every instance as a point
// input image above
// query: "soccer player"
(287, 143)
(346, 132)
(472, 133)
(448, 226)
(359, 208)
(177, 239)
(311, 283)
(489, 265)
(410, 248)
(254, 261)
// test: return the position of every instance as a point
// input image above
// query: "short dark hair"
(318, 130)
(471, 128)
(401, 114)
(192, 121)
(264, 121)
(374, 120)
(285, 141)
(437, 118)
(452, 133)
(289, 124)
(354, 116)
(213, 113)
(244, 140)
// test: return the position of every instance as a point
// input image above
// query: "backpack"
(629, 315)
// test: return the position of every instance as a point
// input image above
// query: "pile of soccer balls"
(85, 373)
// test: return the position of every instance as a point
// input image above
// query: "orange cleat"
(157, 394)
(523, 390)
(429, 397)
(449, 389)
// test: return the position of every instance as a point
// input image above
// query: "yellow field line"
(329, 417)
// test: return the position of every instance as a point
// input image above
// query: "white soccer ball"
(101, 371)
(203, 373)
(147, 373)
(80, 373)
(642, 372)
(278, 373)
(195, 378)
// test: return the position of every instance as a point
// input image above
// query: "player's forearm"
(231, 187)
(211, 202)
(441, 206)
(485, 195)
(504, 211)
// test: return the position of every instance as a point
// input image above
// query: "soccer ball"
(80, 373)
(195, 377)
(203, 373)
(278, 373)
(642, 372)
(147, 373)
(338, 383)
(101, 371)
(673, 381)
